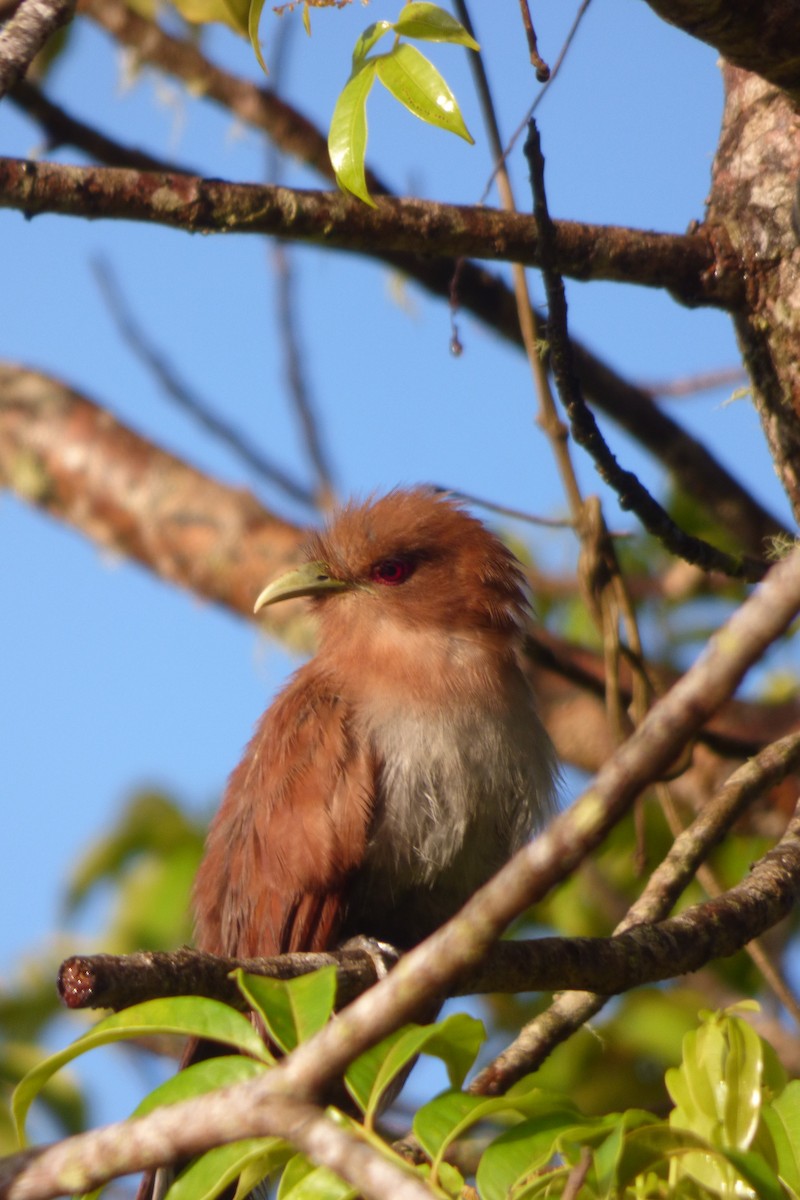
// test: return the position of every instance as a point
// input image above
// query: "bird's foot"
(382, 955)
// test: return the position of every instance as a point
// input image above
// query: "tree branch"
(62, 129)
(763, 38)
(683, 264)
(25, 34)
(85, 1162)
(570, 1010)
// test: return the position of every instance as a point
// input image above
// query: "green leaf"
(743, 1072)
(609, 1155)
(293, 1010)
(189, 1016)
(717, 1088)
(782, 1119)
(756, 1172)
(207, 1176)
(347, 136)
(414, 81)
(429, 23)
(456, 1041)
(253, 22)
(451, 1114)
(303, 1181)
(199, 1078)
(524, 1148)
(369, 38)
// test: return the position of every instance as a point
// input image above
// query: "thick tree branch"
(684, 264)
(763, 37)
(25, 34)
(79, 1164)
(754, 199)
(139, 501)
(433, 967)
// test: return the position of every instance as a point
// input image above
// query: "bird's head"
(414, 558)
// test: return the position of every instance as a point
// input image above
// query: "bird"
(399, 768)
(404, 763)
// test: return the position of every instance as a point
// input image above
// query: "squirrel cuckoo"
(404, 763)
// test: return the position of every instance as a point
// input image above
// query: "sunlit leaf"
(455, 1041)
(208, 1175)
(756, 1172)
(199, 1078)
(253, 23)
(293, 1010)
(521, 1150)
(191, 1016)
(303, 1181)
(369, 38)
(453, 1113)
(782, 1119)
(414, 81)
(347, 137)
(429, 23)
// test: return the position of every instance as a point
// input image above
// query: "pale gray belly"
(456, 801)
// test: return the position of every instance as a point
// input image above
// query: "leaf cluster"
(733, 1129)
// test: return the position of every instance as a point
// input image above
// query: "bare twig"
(632, 494)
(690, 385)
(63, 129)
(184, 396)
(299, 391)
(542, 69)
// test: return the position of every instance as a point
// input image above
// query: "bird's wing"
(292, 828)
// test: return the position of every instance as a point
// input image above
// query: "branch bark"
(25, 34)
(763, 38)
(683, 264)
(754, 200)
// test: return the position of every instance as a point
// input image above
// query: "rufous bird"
(404, 763)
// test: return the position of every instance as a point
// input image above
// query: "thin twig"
(299, 391)
(184, 396)
(63, 129)
(632, 494)
(542, 69)
(287, 314)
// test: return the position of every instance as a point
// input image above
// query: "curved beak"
(309, 580)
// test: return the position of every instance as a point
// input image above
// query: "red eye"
(391, 571)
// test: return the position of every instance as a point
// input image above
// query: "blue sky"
(112, 679)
